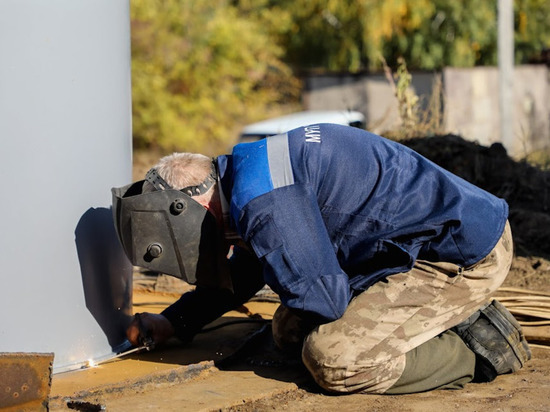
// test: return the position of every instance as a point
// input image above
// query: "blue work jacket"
(329, 210)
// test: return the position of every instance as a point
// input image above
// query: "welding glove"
(149, 329)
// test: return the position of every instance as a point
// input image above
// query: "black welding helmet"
(166, 231)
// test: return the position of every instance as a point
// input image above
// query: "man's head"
(180, 170)
(167, 222)
(184, 170)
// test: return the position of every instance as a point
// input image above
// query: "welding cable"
(532, 311)
(149, 304)
(257, 298)
(234, 322)
(533, 307)
(266, 298)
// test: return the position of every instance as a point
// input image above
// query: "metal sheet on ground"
(25, 381)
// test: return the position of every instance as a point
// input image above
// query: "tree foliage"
(198, 67)
(532, 28)
(428, 34)
(202, 68)
(346, 35)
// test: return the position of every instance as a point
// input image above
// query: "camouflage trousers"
(364, 351)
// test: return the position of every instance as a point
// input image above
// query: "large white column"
(65, 140)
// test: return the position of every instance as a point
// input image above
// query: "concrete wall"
(472, 106)
(470, 99)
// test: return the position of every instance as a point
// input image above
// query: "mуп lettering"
(313, 134)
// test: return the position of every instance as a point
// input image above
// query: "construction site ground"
(236, 367)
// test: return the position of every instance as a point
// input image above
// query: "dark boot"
(496, 338)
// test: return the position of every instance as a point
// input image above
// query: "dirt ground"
(528, 390)
(237, 369)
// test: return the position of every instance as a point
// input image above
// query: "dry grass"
(415, 121)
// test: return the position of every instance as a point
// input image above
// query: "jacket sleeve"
(287, 233)
(197, 308)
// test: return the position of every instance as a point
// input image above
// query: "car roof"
(291, 121)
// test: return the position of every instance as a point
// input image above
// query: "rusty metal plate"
(25, 381)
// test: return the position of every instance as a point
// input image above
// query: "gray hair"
(180, 170)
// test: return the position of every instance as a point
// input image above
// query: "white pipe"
(506, 73)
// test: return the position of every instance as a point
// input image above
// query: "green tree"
(532, 28)
(198, 69)
(343, 35)
(460, 34)
(429, 34)
(202, 68)
(464, 34)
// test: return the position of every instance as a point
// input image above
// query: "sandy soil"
(237, 369)
(527, 390)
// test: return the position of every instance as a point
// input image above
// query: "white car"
(270, 127)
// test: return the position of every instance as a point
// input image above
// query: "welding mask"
(166, 231)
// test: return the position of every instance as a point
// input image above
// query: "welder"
(383, 261)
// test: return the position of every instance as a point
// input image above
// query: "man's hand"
(149, 325)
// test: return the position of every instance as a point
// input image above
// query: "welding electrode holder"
(144, 338)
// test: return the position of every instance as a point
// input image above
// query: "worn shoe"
(496, 338)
